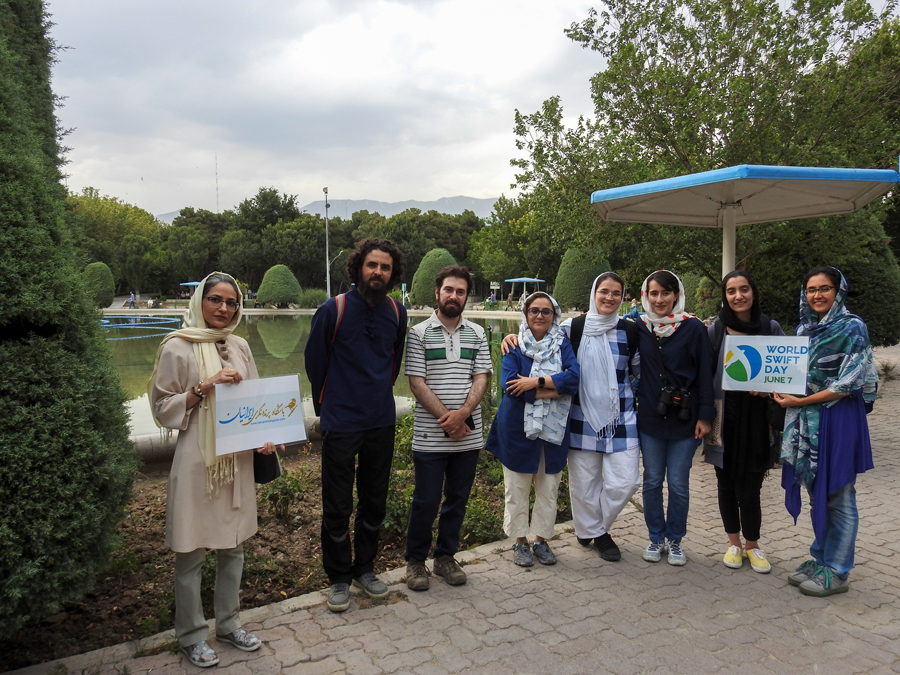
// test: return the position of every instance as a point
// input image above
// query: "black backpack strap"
(577, 331)
(633, 336)
(718, 330)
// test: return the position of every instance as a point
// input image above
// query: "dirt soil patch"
(134, 597)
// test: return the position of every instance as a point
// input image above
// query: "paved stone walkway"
(585, 615)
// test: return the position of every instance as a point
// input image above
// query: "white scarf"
(546, 418)
(598, 388)
(219, 470)
(663, 326)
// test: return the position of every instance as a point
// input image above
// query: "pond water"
(277, 343)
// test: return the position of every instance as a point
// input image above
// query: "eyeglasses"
(535, 312)
(821, 290)
(216, 301)
(603, 293)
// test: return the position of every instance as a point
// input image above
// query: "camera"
(674, 397)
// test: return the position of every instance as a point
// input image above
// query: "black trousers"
(365, 456)
(744, 514)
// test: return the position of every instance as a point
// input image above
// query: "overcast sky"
(376, 100)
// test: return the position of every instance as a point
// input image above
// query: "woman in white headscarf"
(604, 449)
(529, 434)
(211, 501)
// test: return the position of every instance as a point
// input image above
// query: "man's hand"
(454, 423)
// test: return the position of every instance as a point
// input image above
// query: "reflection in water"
(277, 343)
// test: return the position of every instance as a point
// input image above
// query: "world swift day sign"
(255, 411)
(765, 363)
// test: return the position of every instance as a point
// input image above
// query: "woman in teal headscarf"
(826, 437)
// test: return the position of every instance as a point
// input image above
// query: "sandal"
(201, 654)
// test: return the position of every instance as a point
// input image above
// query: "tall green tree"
(66, 463)
(693, 85)
(268, 207)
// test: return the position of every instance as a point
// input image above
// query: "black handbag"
(266, 468)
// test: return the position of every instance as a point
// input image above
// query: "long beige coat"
(193, 518)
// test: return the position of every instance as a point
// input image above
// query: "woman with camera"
(675, 410)
(739, 446)
(826, 436)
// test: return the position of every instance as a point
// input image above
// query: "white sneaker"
(653, 553)
(676, 557)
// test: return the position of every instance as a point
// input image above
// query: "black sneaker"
(584, 542)
(607, 548)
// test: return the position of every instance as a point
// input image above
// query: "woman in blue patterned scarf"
(826, 437)
(530, 433)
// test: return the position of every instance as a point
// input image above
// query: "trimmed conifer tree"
(279, 287)
(576, 274)
(99, 281)
(421, 290)
(66, 463)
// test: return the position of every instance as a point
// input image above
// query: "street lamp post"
(327, 255)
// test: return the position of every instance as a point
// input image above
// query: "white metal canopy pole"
(729, 230)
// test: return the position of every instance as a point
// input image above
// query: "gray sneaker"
(824, 583)
(338, 597)
(543, 553)
(802, 573)
(416, 575)
(445, 566)
(372, 585)
(522, 554)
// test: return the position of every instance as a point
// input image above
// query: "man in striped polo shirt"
(449, 365)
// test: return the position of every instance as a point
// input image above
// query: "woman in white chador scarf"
(604, 450)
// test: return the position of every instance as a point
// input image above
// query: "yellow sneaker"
(734, 558)
(758, 561)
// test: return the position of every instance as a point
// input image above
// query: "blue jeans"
(837, 548)
(450, 473)
(668, 460)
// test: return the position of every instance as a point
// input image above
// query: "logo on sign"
(743, 365)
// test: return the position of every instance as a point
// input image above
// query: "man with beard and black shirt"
(448, 364)
(353, 357)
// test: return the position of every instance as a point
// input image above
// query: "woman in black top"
(739, 445)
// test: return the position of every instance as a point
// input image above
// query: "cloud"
(378, 100)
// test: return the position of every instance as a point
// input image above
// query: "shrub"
(482, 524)
(66, 462)
(576, 274)
(279, 287)
(101, 288)
(312, 298)
(286, 490)
(421, 291)
(707, 299)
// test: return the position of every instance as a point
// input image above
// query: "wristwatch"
(541, 382)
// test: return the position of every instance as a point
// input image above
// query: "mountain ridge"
(345, 208)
